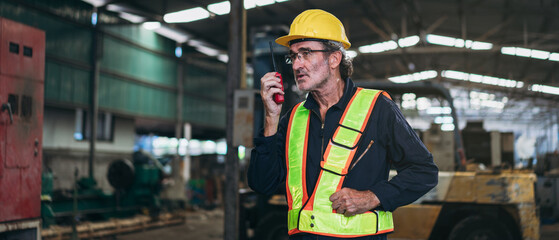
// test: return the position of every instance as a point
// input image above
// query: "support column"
(180, 94)
(96, 52)
(235, 74)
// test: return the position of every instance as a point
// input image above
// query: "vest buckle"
(343, 145)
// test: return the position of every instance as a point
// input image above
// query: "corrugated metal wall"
(209, 102)
(138, 67)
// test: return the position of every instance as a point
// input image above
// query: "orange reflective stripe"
(386, 95)
(293, 231)
(349, 236)
(310, 204)
(304, 171)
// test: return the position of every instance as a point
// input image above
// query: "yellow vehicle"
(466, 204)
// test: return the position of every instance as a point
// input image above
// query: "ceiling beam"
(504, 29)
(495, 29)
(436, 24)
(548, 79)
(371, 9)
(544, 27)
(375, 28)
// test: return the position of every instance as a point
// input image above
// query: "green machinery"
(137, 186)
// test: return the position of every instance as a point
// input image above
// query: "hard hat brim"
(284, 41)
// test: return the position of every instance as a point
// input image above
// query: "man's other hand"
(350, 202)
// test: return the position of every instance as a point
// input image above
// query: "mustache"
(300, 71)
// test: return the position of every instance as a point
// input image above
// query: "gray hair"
(346, 65)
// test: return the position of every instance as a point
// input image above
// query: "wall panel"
(136, 99)
(120, 57)
(65, 84)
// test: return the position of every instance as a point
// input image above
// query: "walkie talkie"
(278, 98)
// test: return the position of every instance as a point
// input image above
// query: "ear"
(335, 59)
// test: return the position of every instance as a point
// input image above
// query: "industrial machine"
(467, 203)
(137, 186)
(547, 188)
(22, 71)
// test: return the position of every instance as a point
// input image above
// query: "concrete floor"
(200, 225)
(208, 225)
(550, 232)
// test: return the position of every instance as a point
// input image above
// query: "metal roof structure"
(508, 49)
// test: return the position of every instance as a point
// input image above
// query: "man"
(334, 150)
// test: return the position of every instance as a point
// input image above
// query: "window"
(105, 126)
(26, 107)
(14, 103)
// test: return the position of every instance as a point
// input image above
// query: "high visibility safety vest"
(314, 214)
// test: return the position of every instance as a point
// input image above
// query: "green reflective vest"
(314, 214)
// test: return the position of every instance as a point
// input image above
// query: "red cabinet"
(22, 71)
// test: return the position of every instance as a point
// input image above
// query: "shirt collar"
(349, 89)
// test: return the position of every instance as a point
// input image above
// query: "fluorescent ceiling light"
(532, 53)
(480, 46)
(133, 18)
(441, 40)
(447, 127)
(408, 41)
(408, 96)
(351, 53)
(481, 99)
(221, 8)
(196, 43)
(178, 51)
(188, 15)
(207, 50)
(457, 42)
(378, 47)
(492, 104)
(96, 3)
(94, 18)
(423, 103)
(538, 54)
(502, 82)
(151, 25)
(171, 33)
(250, 4)
(545, 89)
(438, 110)
(455, 75)
(460, 43)
(264, 2)
(508, 50)
(223, 57)
(389, 45)
(115, 8)
(523, 52)
(443, 119)
(414, 77)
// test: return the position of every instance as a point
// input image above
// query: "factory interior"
(171, 90)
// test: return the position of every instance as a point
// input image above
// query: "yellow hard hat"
(315, 24)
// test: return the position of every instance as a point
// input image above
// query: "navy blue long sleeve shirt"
(395, 142)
